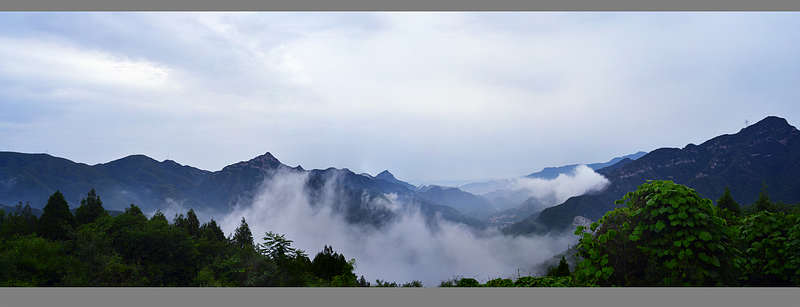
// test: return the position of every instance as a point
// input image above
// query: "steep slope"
(767, 152)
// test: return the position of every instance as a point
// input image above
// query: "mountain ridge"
(767, 152)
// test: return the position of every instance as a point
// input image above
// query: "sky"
(432, 97)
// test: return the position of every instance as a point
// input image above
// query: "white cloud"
(46, 61)
(406, 249)
(579, 181)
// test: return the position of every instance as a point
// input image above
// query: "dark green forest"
(662, 234)
(93, 248)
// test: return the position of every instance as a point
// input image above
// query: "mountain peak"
(266, 157)
(770, 123)
(385, 175)
(139, 158)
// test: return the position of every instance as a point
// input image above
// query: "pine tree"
(242, 237)
(563, 267)
(192, 224)
(727, 202)
(90, 210)
(211, 231)
(57, 221)
(763, 203)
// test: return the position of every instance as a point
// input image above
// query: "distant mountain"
(470, 204)
(487, 187)
(553, 172)
(767, 152)
(133, 179)
(152, 185)
(387, 176)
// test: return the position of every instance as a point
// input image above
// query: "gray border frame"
(309, 297)
(398, 5)
(194, 297)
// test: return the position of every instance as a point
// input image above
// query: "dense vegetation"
(92, 248)
(666, 234)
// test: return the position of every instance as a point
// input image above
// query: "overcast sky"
(432, 97)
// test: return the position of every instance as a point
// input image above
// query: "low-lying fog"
(407, 248)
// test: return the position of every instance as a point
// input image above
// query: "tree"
(666, 235)
(277, 247)
(771, 248)
(20, 221)
(190, 223)
(91, 209)
(327, 264)
(242, 237)
(57, 221)
(726, 202)
(763, 203)
(159, 217)
(211, 231)
(561, 270)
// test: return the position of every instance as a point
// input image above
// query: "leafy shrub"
(771, 245)
(500, 282)
(545, 281)
(665, 235)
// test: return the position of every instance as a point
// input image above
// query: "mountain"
(767, 152)
(470, 204)
(150, 184)
(133, 179)
(553, 172)
(387, 176)
(487, 187)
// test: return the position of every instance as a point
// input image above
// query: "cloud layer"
(433, 96)
(404, 250)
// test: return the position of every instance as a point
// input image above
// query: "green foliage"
(763, 203)
(727, 202)
(329, 266)
(546, 281)
(385, 284)
(468, 282)
(242, 237)
(32, 261)
(500, 282)
(57, 221)
(524, 281)
(91, 209)
(132, 250)
(665, 235)
(20, 222)
(190, 223)
(412, 284)
(771, 245)
(561, 270)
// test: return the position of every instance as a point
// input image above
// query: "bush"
(666, 235)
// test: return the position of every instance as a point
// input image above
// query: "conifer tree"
(727, 202)
(242, 237)
(57, 221)
(763, 203)
(90, 210)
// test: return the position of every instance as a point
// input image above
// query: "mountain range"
(765, 154)
(153, 185)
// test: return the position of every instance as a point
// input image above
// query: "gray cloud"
(432, 96)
